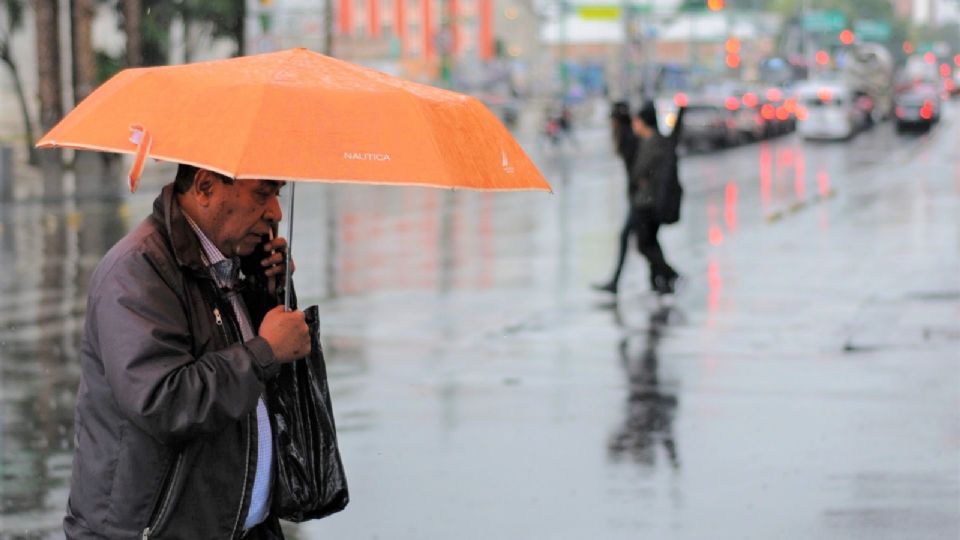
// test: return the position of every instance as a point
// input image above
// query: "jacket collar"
(185, 244)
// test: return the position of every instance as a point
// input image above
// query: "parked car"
(778, 111)
(707, 124)
(748, 119)
(917, 107)
(830, 111)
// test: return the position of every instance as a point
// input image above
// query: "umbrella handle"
(286, 282)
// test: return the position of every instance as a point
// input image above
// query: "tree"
(12, 20)
(132, 17)
(47, 14)
(84, 57)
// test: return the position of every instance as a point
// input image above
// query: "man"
(653, 166)
(172, 434)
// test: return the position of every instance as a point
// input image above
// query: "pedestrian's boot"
(610, 287)
(663, 285)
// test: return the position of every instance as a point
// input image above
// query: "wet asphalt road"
(803, 384)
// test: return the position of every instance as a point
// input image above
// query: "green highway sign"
(824, 21)
(872, 30)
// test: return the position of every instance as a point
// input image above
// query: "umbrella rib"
(433, 137)
(253, 122)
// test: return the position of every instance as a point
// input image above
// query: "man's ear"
(204, 184)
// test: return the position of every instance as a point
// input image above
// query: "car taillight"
(768, 112)
(926, 111)
(732, 103)
(900, 112)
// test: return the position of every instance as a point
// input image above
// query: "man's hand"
(287, 334)
(275, 262)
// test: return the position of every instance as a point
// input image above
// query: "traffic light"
(732, 47)
(846, 37)
(714, 5)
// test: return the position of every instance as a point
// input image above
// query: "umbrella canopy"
(297, 115)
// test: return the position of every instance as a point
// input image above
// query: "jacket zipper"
(246, 466)
(165, 500)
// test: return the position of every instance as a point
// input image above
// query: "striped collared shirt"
(225, 273)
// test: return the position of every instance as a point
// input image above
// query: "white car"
(827, 111)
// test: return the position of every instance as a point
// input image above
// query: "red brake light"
(750, 100)
(681, 99)
(768, 112)
(824, 94)
(732, 103)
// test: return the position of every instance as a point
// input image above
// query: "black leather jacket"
(165, 414)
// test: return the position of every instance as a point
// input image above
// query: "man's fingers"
(275, 258)
(277, 244)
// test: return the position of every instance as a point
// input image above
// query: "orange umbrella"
(302, 116)
(297, 115)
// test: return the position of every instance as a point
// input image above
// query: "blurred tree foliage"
(221, 18)
(11, 19)
(853, 9)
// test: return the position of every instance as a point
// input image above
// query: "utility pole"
(626, 67)
(328, 27)
(805, 38)
(447, 42)
(564, 74)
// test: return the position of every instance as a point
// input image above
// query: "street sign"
(872, 30)
(824, 21)
(598, 13)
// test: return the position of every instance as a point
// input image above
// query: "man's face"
(241, 214)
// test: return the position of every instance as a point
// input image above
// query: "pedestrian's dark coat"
(651, 167)
(165, 418)
(628, 145)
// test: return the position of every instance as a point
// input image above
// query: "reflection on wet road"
(802, 385)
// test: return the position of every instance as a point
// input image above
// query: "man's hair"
(185, 175)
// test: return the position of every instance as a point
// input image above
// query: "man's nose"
(274, 213)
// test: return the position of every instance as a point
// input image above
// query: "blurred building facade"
(457, 43)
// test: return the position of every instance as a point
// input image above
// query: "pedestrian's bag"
(310, 481)
(669, 195)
